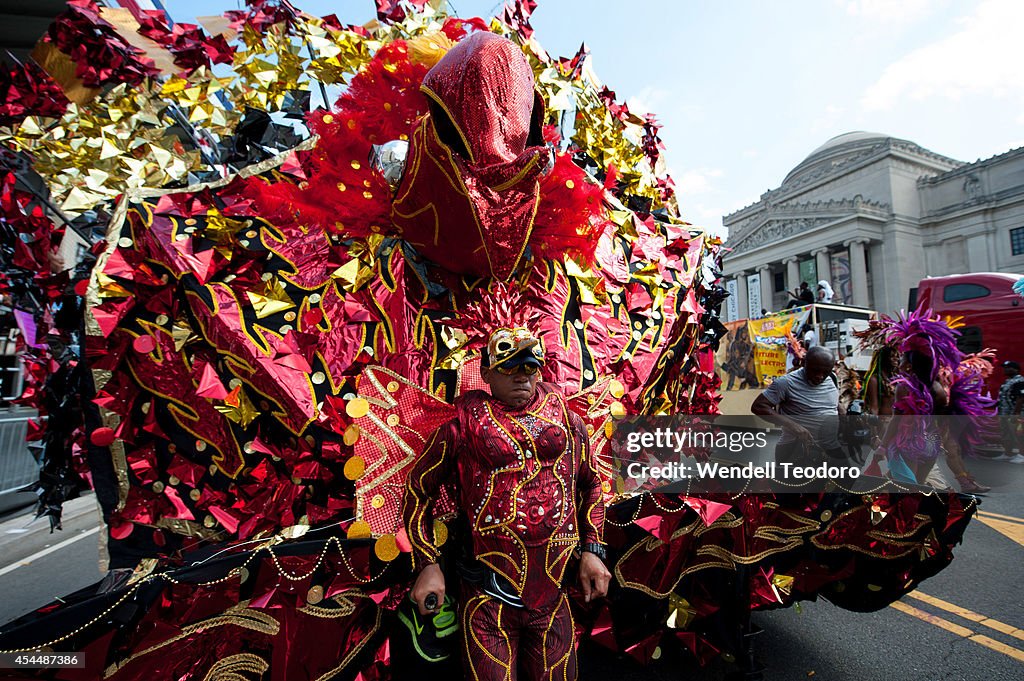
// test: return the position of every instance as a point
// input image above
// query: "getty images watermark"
(689, 440)
(707, 454)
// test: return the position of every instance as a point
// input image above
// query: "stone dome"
(834, 149)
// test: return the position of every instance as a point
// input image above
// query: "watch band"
(596, 549)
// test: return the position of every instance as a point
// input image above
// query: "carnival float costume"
(529, 496)
(271, 330)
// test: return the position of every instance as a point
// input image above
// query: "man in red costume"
(530, 495)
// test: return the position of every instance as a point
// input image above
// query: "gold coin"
(609, 429)
(267, 276)
(315, 594)
(393, 387)
(440, 533)
(590, 429)
(826, 515)
(616, 389)
(200, 446)
(341, 187)
(285, 329)
(351, 435)
(360, 529)
(588, 374)
(125, 242)
(352, 126)
(657, 653)
(318, 377)
(355, 467)
(369, 195)
(234, 383)
(146, 407)
(386, 548)
(606, 487)
(377, 501)
(195, 495)
(357, 407)
(173, 480)
(158, 487)
(209, 521)
(356, 165)
(162, 319)
(637, 335)
(290, 316)
(393, 420)
(328, 119)
(617, 410)
(243, 574)
(249, 447)
(190, 221)
(570, 184)
(213, 469)
(314, 298)
(251, 234)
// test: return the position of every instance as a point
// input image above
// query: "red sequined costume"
(529, 488)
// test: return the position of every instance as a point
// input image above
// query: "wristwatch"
(596, 549)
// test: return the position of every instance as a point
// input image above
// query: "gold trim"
(436, 98)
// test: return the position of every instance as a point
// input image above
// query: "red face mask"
(475, 160)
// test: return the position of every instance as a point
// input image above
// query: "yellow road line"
(1011, 530)
(963, 632)
(959, 611)
(1011, 518)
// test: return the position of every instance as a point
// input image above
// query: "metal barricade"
(17, 466)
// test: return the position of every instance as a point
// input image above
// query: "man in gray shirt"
(805, 403)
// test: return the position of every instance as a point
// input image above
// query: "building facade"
(873, 215)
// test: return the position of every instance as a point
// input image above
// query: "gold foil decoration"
(616, 389)
(357, 407)
(360, 529)
(355, 467)
(440, 533)
(315, 594)
(351, 435)
(386, 548)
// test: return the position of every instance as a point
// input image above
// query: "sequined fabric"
(471, 159)
(525, 481)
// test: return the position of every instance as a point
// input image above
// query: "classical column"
(858, 272)
(823, 265)
(767, 287)
(792, 274)
(741, 295)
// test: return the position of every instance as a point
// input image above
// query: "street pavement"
(965, 624)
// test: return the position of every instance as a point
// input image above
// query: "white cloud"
(983, 58)
(887, 11)
(699, 181)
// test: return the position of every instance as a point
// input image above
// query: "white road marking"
(39, 554)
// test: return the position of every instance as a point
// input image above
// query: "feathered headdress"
(925, 332)
(502, 322)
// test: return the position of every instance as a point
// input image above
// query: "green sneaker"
(432, 636)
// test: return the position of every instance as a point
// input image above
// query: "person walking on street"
(1011, 403)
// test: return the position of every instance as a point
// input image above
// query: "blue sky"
(746, 89)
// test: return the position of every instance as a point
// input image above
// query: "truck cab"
(984, 308)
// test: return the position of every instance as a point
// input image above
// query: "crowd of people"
(922, 399)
